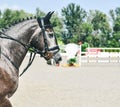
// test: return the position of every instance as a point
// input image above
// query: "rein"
(31, 49)
(31, 59)
(5, 36)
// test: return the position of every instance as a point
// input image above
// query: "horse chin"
(51, 62)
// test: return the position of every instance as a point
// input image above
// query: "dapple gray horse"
(35, 34)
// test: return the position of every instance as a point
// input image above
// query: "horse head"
(44, 39)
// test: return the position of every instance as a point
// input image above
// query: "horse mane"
(17, 22)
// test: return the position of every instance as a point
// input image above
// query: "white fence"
(102, 55)
(98, 55)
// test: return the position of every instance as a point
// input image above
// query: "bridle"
(44, 53)
(46, 47)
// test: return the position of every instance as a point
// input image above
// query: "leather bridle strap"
(31, 59)
(5, 36)
(42, 25)
(46, 48)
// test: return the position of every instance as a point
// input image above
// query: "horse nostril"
(51, 35)
(60, 58)
(57, 58)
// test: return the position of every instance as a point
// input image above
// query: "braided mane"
(17, 22)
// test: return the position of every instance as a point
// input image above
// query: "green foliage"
(84, 47)
(115, 39)
(74, 16)
(117, 11)
(72, 61)
(57, 24)
(117, 24)
(10, 16)
(39, 13)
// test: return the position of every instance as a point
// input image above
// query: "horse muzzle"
(55, 59)
(52, 55)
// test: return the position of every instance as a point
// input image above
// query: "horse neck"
(21, 32)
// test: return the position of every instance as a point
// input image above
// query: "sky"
(56, 5)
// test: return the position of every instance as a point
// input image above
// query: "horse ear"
(48, 16)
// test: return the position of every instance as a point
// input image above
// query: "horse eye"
(47, 30)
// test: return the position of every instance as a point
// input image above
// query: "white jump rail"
(98, 55)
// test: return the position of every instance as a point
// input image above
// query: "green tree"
(10, 16)
(73, 16)
(86, 30)
(58, 26)
(101, 27)
(115, 39)
(39, 12)
(117, 11)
